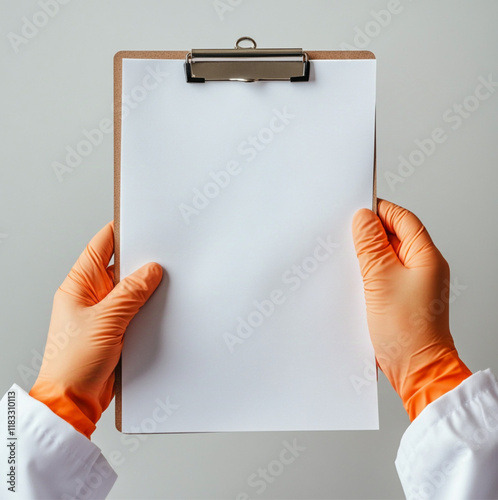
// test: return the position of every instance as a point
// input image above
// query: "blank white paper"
(245, 193)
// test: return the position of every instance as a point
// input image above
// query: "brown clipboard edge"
(178, 54)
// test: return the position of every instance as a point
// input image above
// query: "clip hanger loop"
(242, 38)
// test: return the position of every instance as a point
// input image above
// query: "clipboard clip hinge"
(247, 64)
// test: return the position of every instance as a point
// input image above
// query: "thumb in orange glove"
(406, 284)
(85, 338)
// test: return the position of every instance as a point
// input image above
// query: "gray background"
(430, 56)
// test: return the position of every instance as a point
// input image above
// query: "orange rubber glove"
(406, 283)
(89, 318)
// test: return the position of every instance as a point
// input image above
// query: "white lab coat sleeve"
(44, 457)
(450, 451)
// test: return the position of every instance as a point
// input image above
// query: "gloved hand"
(89, 318)
(406, 283)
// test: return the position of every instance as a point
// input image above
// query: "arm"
(451, 448)
(75, 384)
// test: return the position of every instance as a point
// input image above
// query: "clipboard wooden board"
(118, 122)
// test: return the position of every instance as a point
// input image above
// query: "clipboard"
(200, 68)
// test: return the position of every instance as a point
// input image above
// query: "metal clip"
(247, 64)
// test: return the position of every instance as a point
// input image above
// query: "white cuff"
(51, 459)
(451, 449)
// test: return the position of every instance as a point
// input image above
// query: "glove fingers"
(129, 295)
(89, 279)
(408, 229)
(394, 241)
(371, 242)
(110, 272)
